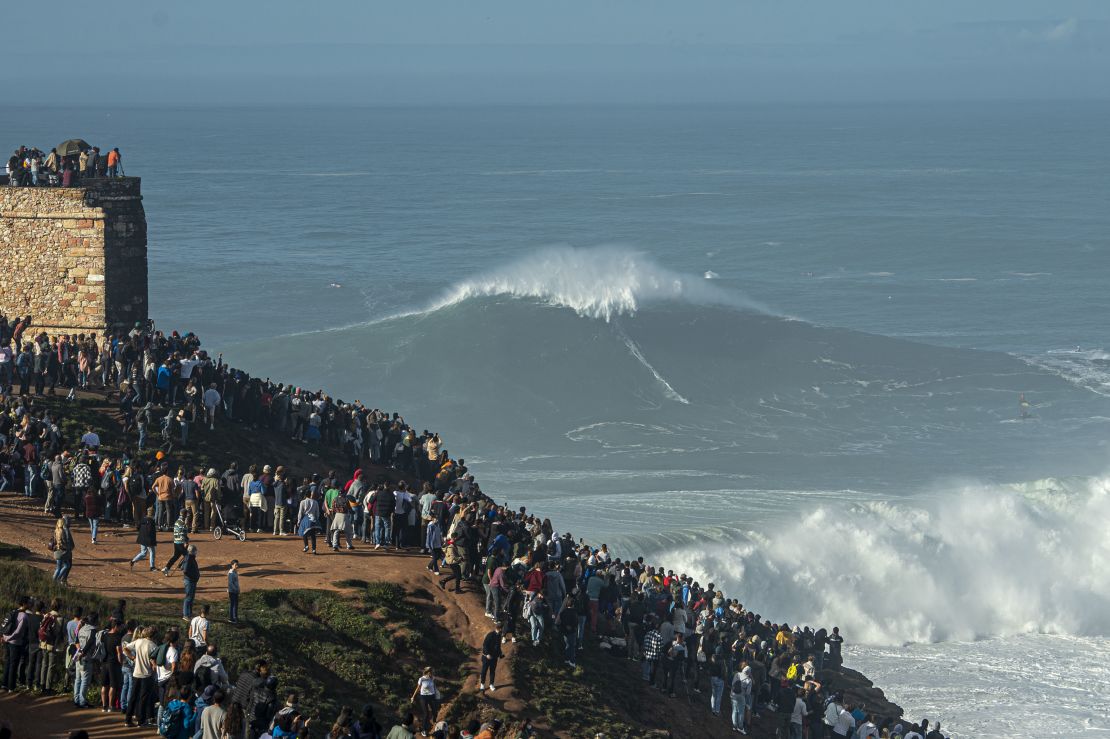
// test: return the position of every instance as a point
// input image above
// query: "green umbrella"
(72, 147)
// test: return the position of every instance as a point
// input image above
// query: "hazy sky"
(451, 51)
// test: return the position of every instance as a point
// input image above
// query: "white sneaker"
(492, 687)
(481, 686)
(504, 640)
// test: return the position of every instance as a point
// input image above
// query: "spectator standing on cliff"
(233, 593)
(115, 163)
(309, 516)
(191, 578)
(211, 400)
(836, 642)
(16, 638)
(567, 621)
(491, 653)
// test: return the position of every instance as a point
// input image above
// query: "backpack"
(340, 504)
(46, 628)
(406, 506)
(99, 651)
(10, 622)
(261, 706)
(172, 721)
(205, 677)
(160, 654)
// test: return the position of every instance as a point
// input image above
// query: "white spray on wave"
(599, 282)
(980, 561)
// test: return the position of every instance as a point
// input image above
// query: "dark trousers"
(233, 606)
(310, 534)
(179, 551)
(141, 700)
(488, 666)
(456, 575)
(16, 654)
(400, 523)
(30, 671)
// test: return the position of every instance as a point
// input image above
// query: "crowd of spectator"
(31, 167)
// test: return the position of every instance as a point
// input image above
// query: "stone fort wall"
(74, 258)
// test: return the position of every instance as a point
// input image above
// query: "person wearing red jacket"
(534, 579)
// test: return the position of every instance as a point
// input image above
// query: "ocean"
(783, 348)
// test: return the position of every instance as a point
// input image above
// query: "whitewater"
(782, 346)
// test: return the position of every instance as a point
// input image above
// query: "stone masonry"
(74, 258)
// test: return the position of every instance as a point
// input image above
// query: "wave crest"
(599, 282)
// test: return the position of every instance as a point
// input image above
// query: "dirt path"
(265, 562)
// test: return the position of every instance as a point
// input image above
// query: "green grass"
(601, 695)
(365, 645)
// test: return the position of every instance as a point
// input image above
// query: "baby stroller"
(222, 526)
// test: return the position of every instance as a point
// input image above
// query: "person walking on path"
(180, 540)
(491, 653)
(233, 592)
(62, 545)
(428, 695)
(308, 518)
(94, 509)
(147, 540)
(342, 524)
(453, 559)
(192, 577)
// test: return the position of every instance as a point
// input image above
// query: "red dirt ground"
(265, 561)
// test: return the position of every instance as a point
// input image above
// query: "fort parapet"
(74, 257)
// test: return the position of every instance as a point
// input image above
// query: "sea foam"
(972, 562)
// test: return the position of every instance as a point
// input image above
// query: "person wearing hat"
(205, 699)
